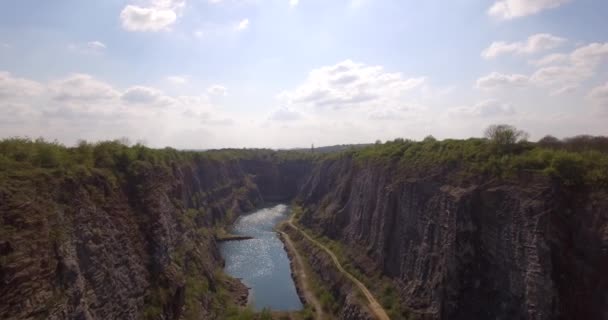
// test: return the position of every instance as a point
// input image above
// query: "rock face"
(525, 249)
(93, 247)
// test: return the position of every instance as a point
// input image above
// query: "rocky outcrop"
(140, 244)
(466, 248)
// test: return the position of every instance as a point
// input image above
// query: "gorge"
(130, 232)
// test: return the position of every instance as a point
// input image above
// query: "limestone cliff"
(139, 243)
(98, 245)
(473, 248)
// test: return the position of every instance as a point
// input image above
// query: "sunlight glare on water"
(262, 262)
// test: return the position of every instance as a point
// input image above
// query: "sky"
(197, 74)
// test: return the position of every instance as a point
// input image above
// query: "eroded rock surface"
(468, 248)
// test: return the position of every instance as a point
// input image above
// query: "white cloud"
(534, 44)
(565, 90)
(79, 106)
(497, 80)
(561, 72)
(13, 87)
(91, 47)
(217, 90)
(562, 75)
(177, 80)
(140, 95)
(82, 88)
(293, 3)
(511, 9)
(243, 25)
(581, 64)
(555, 58)
(351, 84)
(599, 97)
(590, 55)
(159, 15)
(484, 109)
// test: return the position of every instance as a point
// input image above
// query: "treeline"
(503, 153)
(577, 143)
(18, 154)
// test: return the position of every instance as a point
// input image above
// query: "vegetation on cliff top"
(23, 155)
(504, 152)
(582, 160)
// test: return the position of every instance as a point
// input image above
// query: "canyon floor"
(374, 305)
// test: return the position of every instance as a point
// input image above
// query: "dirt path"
(300, 273)
(375, 307)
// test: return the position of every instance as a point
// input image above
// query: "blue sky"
(285, 73)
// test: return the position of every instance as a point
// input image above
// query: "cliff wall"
(139, 242)
(129, 245)
(459, 248)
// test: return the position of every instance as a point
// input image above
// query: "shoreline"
(294, 277)
(298, 274)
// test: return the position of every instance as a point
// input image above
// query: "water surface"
(262, 262)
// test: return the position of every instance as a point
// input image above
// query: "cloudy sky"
(287, 73)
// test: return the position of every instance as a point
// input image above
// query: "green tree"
(505, 137)
(504, 134)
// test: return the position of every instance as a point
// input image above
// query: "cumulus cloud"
(497, 80)
(484, 109)
(590, 55)
(139, 95)
(159, 15)
(351, 84)
(581, 64)
(565, 90)
(217, 90)
(511, 9)
(80, 106)
(14, 87)
(555, 58)
(599, 97)
(561, 75)
(534, 44)
(82, 88)
(561, 72)
(242, 25)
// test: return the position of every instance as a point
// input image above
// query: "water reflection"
(262, 262)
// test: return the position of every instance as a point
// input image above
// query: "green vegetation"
(579, 161)
(19, 154)
(382, 287)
